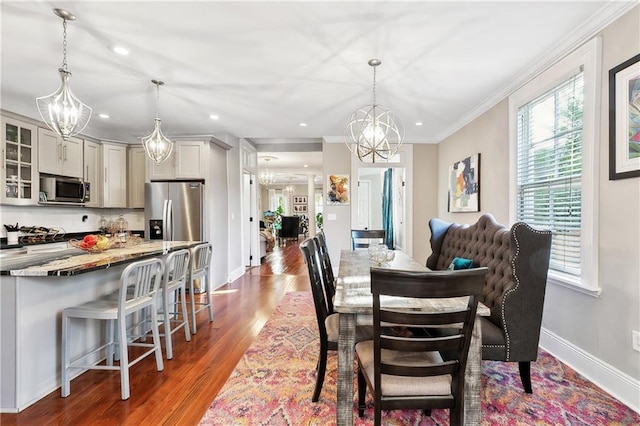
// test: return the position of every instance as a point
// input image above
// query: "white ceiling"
(264, 67)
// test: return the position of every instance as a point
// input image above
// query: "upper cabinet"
(92, 173)
(19, 173)
(114, 159)
(187, 161)
(136, 176)
(59, 157)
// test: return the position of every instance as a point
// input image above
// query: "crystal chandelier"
(266, 176)
(374, 132)
(157, 145)
(289, 189)
(62, 111)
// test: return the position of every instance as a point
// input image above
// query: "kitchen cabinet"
(93, 173)
(57, 156)
(19, 172)
(114, 158)
(136, 176)
(187, 161)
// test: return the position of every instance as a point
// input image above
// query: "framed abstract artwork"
(464, 185)
(338, 190)
(624, 120)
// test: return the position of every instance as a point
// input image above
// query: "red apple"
(90, 240)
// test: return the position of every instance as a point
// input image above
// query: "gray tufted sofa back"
(518, 261)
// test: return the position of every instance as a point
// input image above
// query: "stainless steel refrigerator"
(174, 211)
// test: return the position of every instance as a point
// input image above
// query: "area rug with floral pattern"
(273, 382)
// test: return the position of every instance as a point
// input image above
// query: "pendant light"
(374, 132)
(289, 189)
(266, 176)
(157, 146)
(62, 111)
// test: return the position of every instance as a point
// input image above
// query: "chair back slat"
(176, 267)
(200, 260)
(140, 280)
(311, 258)
(328, 278)
(423, 285)
(357, 235)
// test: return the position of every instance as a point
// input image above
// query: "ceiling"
(265, 67)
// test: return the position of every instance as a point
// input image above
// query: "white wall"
(592, 334)
(217, 201)
(234, 211)
(69, 219)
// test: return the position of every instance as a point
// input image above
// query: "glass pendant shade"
(374, 133)
(157, 146)
(62, 111)
(289, 189)
(267, 177)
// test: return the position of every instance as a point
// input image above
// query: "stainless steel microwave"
(61, 189)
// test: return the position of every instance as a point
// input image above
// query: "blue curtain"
(387, 207)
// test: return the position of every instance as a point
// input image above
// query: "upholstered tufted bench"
(518, 260)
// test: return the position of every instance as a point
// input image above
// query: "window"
(553, 131)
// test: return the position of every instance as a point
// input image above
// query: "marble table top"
(74, 261)
(353, 288)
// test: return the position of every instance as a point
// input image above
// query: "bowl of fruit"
(93, 243)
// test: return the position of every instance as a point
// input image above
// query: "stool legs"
(66, 380)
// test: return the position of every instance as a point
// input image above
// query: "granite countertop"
(74, 261)
(25, 240)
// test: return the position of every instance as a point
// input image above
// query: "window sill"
(562, 281)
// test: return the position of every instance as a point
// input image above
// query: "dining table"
(353, 301)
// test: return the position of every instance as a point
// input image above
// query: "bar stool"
(138, 286)
(200, 265)
(176, 267)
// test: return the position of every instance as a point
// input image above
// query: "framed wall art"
(624, 120)
(338, 190)
(464, 185)
(299, 208)
(299, 199)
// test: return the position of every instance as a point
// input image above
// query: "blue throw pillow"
(460, 263)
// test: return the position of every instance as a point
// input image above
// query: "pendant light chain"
(157, 99)
(64, 44)
(374, 86)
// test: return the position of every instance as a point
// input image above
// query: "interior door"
(364, 206)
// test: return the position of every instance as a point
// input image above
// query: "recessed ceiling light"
(214, 117)
(303, 124)
(306, 165)
(103, 115)
(419, 123)
(120, 50)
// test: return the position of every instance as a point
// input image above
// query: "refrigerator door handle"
(164, 220)
(170, 219)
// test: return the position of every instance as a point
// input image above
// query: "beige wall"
(425, 197)
(336, 159)
(599, 326)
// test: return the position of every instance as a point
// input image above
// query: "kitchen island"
(33, 292)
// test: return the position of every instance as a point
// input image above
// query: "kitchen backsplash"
(67, 218)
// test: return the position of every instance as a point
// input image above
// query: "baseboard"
(236, 273)
(620, 385)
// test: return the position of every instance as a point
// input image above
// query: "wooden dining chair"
(416, 371)
(328, 279)
(357, 235)
(327, 323)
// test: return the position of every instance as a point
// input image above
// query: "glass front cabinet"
(19, 171)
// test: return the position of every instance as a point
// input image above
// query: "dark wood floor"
(181, 393)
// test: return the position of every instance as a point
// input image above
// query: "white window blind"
(549, 169)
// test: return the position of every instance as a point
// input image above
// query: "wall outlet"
(636, 340)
